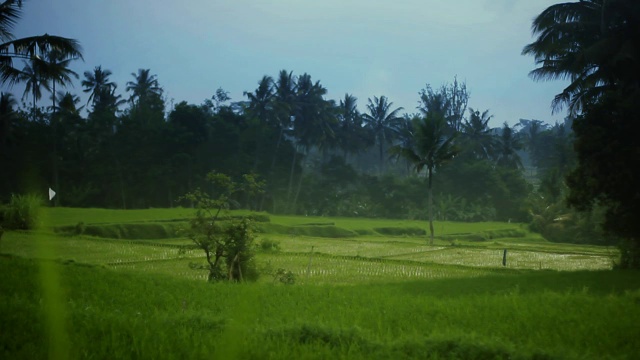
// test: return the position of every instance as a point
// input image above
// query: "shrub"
(268, 245)
(629, 255)
(285, 277)
(79, 228)
(23, 212)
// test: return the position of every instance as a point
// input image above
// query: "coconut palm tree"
(7, 116)
(96, 83)
(261, 100)
(34, 81)
(281, 108)
(591, 43)
(312, 114)
(506, 148)
(144, 88)
(349, 132)
(381, 120)
(284, 98)
(33, 49)
(59, 73)
(476, 138)
(405, 133)
(312, 122)
(432, 148)
(68, 103)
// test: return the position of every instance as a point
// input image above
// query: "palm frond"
(10, 13)
(34, 46)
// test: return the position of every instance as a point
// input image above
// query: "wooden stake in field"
(504, 258)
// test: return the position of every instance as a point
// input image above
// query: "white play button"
(51, 194)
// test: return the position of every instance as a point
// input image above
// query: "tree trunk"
(381, 168)
(295, 198)
(273, 164)
(430, 207)
(293, 163)
(56, 171)
(122, 192)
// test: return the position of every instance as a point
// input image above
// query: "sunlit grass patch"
(320, 268)
(516, 259)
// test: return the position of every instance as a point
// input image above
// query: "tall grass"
(22, 212)
(543, 315)
(90, 296)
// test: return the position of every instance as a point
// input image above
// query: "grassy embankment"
(132, 298)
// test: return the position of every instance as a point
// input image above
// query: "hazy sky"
(363, 47)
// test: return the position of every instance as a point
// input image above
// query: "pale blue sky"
(364, 47)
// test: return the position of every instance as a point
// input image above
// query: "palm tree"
(533, 135)
(34, 81)
(476, 137)
(349, 131)
(405, 133)
(312, 114)
(7, 116)
(507, 146)
(68, 103)
(284, 98)
(282, 107)
(432, 148)
(105, 102)
(260, 109)
(143, 88)
(312, 122)
(261, 100)
(592, 43)
(381, 120)
(97, 84)
(33, 49)
(59, 73)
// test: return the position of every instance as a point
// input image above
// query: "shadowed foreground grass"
(516, 315)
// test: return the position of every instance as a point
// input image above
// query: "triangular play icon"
(51, 194)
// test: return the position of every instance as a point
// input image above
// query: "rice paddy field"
(96, 283)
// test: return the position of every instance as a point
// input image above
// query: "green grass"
(71, 216)
(137, 292)
(129, 314)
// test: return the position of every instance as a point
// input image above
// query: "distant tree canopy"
(318, 156)
(126, 148)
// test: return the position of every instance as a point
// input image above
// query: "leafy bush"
(285, 277)
(79, 228)
(629, 255)
(229, 241)
(22, 212)
(268, 245)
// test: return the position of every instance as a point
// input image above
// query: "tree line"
(320, 156)
(317, 156)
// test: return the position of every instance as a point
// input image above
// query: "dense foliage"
(324, 161)
(317, 156)
(593, 43)
(224, 240)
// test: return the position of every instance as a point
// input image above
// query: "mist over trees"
(126, 147)
(318, 156)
